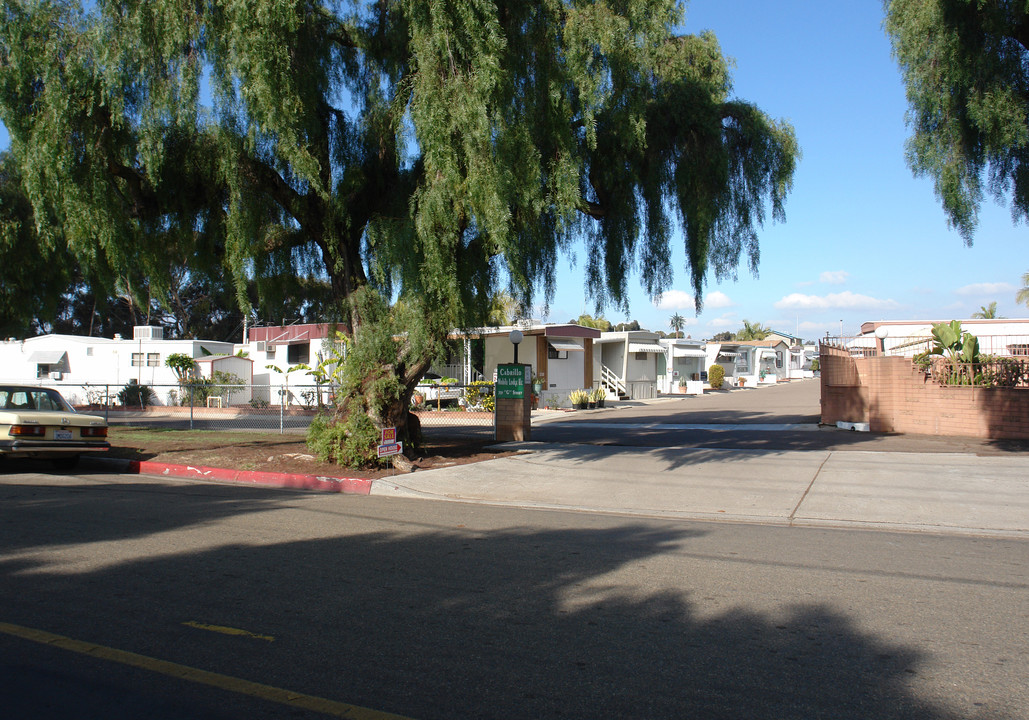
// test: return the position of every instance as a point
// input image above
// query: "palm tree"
(753, 331)
(988, 312)
(1022, 298)
(677, 322)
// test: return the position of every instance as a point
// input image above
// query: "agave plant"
(578, 397)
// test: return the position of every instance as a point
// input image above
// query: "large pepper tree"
(420, 155)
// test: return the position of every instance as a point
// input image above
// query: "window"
(298, 354)
(153, 359)
(641, 356)
(89, 352)
(778, 359)
(42, 371)
(137, 359)
(554, 354)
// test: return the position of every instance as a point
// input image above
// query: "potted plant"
(599, 396)
(537, 384)
(578, 399)
(682, 385)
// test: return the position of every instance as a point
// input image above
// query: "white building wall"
(498, 350)
(566, 375)
(100, 361)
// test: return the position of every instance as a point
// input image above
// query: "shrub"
(195, 391)
(715, 376)
(477, 392)
(350, 442)
(1001, 372)
(814, 365)
(136, 395)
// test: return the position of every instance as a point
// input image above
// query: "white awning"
(637, 347)
(727, 354)
(565, 345)
(48, 357)
(766, 352)
(687, 352)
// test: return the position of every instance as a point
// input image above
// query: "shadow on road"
(430, 621)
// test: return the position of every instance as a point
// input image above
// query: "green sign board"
(511, 381)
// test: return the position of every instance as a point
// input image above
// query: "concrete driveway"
(749, 455)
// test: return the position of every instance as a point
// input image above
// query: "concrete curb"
(348, 486)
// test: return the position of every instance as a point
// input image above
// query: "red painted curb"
(350, 486)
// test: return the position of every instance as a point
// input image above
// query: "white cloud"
(682, 300)
(833, 301)
(834, 277)
(983, 289)
(716, 300)
(675, 300)
(724, 322)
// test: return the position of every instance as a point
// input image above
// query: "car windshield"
(20, 398)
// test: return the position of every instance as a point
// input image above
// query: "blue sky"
(863, 239)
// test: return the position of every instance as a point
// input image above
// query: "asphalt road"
(442, 610)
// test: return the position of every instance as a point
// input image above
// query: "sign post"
(388, 445)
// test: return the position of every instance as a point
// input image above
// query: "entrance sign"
(511, 380)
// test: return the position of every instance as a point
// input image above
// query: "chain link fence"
(444, 410)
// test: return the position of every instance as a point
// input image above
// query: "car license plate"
(62, 434)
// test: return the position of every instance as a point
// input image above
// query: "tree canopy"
(752, 331)
(965, 64)
(987, 312)
(1022, 296)
(432, 147)
(586, 320)
(677, 322)
(433, 152)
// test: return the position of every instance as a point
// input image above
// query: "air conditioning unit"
(56, 375)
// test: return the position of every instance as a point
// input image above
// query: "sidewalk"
(955, 492)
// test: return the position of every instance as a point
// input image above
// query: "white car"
(36, 422)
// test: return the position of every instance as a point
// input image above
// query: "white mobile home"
(685, 370)
(71, 362)
(627, 364)
(560, 356)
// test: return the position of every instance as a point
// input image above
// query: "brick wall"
(514, 418)
(892, 395)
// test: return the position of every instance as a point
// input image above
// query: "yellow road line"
(228, 630)
(203, 677)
